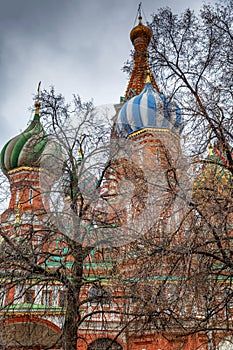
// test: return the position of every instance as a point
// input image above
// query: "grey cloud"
(77, 45)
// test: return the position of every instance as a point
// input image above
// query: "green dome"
(25, 150)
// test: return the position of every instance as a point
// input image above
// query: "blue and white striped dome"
(149, 109)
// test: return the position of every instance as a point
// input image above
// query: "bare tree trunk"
(70, 333)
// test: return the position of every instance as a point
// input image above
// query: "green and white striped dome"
(25, 149)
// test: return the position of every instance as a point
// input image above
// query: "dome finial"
(80, 150)
(210, 147)
(37, 103)
(140, 13)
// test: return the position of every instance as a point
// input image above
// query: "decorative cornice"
(154, 130)
(28, 169)
(33, 312)
(23, 168)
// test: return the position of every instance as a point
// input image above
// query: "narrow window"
(47, 298)
(17, 197)
(2, 296)
(29, 296)
(62, 299)
(30, 196)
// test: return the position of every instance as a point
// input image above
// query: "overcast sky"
(78, 46)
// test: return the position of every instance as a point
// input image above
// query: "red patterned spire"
(140, 37)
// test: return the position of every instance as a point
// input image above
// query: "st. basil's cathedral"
(33, 310)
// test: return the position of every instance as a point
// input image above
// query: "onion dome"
(215, 178)
(25, 149)
(141, 31)
(149, 109)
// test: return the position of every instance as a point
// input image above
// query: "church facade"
(33, 314)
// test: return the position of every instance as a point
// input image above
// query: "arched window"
(104, 343)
